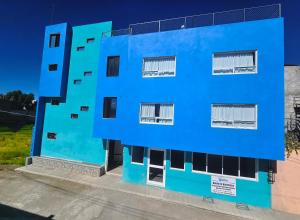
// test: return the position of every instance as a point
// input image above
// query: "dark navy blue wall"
(54, 84)
(195, 89)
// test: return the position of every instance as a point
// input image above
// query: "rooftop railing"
(225, 17)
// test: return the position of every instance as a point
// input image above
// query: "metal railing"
(225, 17)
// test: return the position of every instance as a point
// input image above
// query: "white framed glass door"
(156, 171)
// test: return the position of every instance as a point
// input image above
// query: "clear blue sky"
(22, 27)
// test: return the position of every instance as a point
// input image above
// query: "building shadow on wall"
(8, 212)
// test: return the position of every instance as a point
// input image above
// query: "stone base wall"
(72, 166)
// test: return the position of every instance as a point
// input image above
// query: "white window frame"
(156, 123)
(136, 163)
(158, 76)
(184, 159)
(236, 73)
(256, 179)
(232, 126)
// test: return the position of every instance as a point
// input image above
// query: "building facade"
(195, 110)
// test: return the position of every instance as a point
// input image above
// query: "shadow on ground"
(14, 213)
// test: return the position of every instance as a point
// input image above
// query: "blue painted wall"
(195, 89)
(256, 193)
(53, 84)
(74, 139)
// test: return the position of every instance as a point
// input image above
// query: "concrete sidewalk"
(115, 183)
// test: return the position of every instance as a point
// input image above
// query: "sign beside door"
(223, 185)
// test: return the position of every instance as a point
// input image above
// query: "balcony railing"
(225, 17)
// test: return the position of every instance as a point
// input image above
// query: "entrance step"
(66, 165)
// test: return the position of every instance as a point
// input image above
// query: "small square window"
(52, 67)
(80, 48)
(77, 81)
(109, 107)
(54, 102)
(87, 73)
(54, 40)
(51, 135)
(74, 116)
(177, 159)
(84, 108)
(137, 155)
(230, 166)
(90, 40)
(113, 63)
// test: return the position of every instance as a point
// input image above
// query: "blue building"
(185, 104)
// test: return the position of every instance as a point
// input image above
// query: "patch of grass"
(15, 146)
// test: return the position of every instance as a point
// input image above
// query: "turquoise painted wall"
(256, 193)
(74, 139)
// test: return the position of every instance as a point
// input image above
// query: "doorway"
(114, 157)
(156, 167)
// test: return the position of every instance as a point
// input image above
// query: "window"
(74, 116)
(54, 102)
(231, 165)
(80, 48)
(52, 67)
(113, 64)
(199, 162)
(157, 113)
(177, 159)
(137, 155)
(214, 163)
(247, 167)
(90, 40)
(225, 165)
(235, 62)
(84, 108)
(54, 40)
(234, 116)
(87, 73)
(51, 135)
(159, 66)
(77, 81)
(109, 107)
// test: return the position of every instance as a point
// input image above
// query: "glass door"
(156, 167)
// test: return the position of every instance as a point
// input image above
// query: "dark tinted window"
(74, 116)
(109, 107)
(77, 81)
(90, 40)
(157, 157)
(87, 73)
(177, 159)
(113, 66)
(54, 102)
(51, 135)
(230, 165)
(52, 67)
(80, 48)
(214, 163)
(84, 108)
(247, 167)
(137, 155)
(54, 40)
(199, 161)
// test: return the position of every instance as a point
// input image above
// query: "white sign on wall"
(223, 185)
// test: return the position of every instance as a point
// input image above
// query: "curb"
(20, 170)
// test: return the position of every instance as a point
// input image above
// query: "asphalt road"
(29, 196)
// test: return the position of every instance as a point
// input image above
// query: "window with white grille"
(235, 62)
(157, 113)
(234, 116)
(159, 66)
